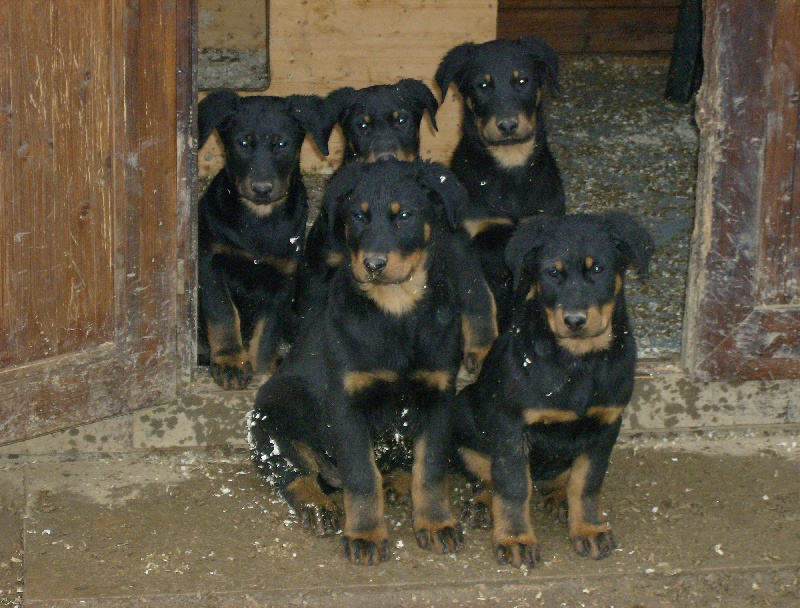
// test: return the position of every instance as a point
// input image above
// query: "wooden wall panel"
(604, 4)
(593, 26)
(316, 47)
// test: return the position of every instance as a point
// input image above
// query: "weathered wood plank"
(82, 150)
(8, 226)
(565, 29)
(186, 221)
(605, 4)
(577, 28)
(29, 328)
(780, 195)
(732, 329)
(56, 225)
(149, 226)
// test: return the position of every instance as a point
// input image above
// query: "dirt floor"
(699, 520)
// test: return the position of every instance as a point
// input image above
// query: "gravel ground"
(621, 145)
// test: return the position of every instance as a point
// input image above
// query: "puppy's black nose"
(374, 264)
(508, 126)
(575, 320)
(261, 188)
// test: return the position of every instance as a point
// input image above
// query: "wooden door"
(93, 103)
(743, 305)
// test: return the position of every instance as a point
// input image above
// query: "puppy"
(547, 406)
(502, 157)
(378, 122)
(252, 221)
(377, 367)
(382, 121)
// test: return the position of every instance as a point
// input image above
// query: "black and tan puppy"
(382, 121)
(378, 365)
(252, 221)
(503, 158)
(547, 406)
(379, 122)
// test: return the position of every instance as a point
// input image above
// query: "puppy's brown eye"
(596, 269)
(554, 272)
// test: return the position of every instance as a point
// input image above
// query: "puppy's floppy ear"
(631, 238)
(541, 52)
(452, 66)
(213, 110)
(450, 192)
(309, 111)
(340, 186)
(524, 245)
(420, 96)
(339, 102)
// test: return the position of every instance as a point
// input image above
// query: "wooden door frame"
(187, 196)
(742, 319)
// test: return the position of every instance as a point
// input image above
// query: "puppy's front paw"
(555, 503)
(397, 488)
(478, 510)
(366, 550)
(321, 519)
(518, 551)
(596, 542)
(445, 537)
(231, 372)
